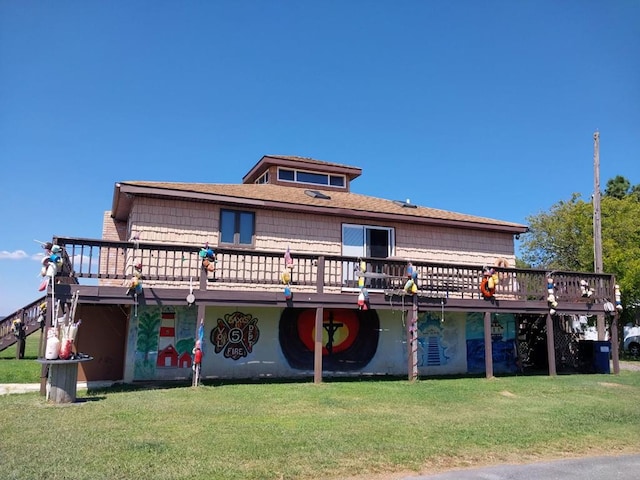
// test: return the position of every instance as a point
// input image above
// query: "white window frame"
(348, 268)
(327, 175)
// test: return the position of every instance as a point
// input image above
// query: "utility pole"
(597, 226)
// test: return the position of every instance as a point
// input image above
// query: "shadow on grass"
(166, 385)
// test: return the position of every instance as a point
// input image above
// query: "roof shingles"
(290, 197)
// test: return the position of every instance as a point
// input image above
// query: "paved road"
(625, 467)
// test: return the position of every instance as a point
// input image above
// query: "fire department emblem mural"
(349, 338)
(235, 335)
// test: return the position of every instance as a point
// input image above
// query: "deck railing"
(30, 316)
(169, 265)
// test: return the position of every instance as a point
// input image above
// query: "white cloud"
(85, 262)
(15, 255)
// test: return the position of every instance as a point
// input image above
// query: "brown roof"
(295, 199)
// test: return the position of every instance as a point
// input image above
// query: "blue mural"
(503, 343)
(431, 348)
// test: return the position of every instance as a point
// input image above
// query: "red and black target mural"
(235, 335)
(349, 338)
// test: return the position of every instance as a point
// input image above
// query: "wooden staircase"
(31, 317)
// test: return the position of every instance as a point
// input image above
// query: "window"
(237, 227)
(308, 177)
(360, 241)
(314, 178)
(286, 175)
(264, 178)
(336, 180)
(367, 241)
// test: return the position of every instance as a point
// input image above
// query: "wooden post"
(20, 337)
(203, 278)
(412, 341)
(44, 371)
(488, 347)
(320, 275)
(615, 351)
(317, 348)
(551, 346)
(600, 327)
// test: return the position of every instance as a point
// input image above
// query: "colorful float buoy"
(551, 297)
(285, 276)
(51, 264)
(586, 290)
(618, 300)
(488, 283)
(411, 285)
(208, 257)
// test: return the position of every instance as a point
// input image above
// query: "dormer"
(302, 172)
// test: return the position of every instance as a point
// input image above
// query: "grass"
(340, 429)
(26, 370)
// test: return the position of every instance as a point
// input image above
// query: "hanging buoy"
(361, 300)
(408, 286)
(287, 292)
(288, 261)
(618, 301)
(485, 290)
(551, 297)
(286, 276)
(488, 283)
(208, 257)
(52, 349)
(585, 289)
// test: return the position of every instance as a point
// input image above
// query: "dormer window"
(264, 178)
(312, 178)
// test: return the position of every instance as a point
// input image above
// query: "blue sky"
(480, 107)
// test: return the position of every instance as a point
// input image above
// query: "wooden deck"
(101, 271)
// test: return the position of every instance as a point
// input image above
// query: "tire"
(634, 349)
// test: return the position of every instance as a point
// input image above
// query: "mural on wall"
(432, 349)
(503, 343)
(235, 335)
(349, 338)
(165, 337)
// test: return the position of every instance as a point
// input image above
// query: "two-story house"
(290, 274)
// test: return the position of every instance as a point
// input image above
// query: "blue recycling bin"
(593, 356)
(601, 356)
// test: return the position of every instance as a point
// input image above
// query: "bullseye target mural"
(349, 338)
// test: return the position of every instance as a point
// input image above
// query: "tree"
(617, 187)
(562, 239)
(148, 328)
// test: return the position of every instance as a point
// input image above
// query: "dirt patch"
(633, 366)
(613, 385)
(505, 393)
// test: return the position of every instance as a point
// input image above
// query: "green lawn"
(26, 370)
(304, 431)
